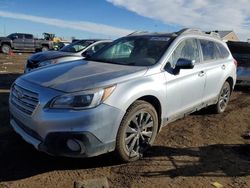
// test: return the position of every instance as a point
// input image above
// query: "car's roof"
(152, 34)
(185, 31)
(95, 40)
(20, 33)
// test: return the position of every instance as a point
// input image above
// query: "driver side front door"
(184, 91)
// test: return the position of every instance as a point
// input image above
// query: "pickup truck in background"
(241, 52)
(23, 42)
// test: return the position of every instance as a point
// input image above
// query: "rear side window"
(19, 36)
(28, 36)
(210, 50)
(223, 51)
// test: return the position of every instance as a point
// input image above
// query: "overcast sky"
(115, 18)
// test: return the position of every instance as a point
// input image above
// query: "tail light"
(235, 62)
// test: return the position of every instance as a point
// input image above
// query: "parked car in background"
(74, 51)
(75, 40)
(60, 45)
(23, 42)
(241, 52)
(121, 97)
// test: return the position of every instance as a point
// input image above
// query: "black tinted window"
(187, 49)
(28, 36)
(76, 46)
(210, 50)
(20, 36)
(97, 47)
(223, 51)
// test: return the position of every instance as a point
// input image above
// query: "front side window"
(77, 46)
(137, 50)
(98, 46)
(187, 49)
(12, 36)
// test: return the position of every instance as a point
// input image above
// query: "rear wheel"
(5, 48)
(45, 48)
(137, 131)
(223, 99)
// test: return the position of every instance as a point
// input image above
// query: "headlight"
(82, 100)
(49, 62)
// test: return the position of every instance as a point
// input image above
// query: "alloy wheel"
(224, 98)
(138, 133)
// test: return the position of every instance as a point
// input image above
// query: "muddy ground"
(193, 152)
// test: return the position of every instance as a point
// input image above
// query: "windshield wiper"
(100, 60)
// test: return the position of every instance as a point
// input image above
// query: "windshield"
(137, 50)
(76, 46)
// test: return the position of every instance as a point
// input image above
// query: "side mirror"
(184, 64)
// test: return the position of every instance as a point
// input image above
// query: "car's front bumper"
(49, 130)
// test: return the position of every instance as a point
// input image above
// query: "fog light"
(74, 145)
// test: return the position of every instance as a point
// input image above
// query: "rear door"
(214, 65)
(184, 90)
(29, 42)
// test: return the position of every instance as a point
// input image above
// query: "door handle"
(201, 74)
(223, 67)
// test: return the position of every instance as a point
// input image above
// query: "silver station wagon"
(121, 97)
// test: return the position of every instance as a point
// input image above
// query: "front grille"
(23, 99)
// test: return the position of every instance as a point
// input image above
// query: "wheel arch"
(7, 43)
(155, 102)
(231, 82)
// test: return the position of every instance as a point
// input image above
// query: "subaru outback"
(120, 98)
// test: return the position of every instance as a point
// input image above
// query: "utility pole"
(4, 29)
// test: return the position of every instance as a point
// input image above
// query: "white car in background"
(74, 51)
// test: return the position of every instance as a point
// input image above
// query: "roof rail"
(136, 32)
(189, 30)
(213, 33)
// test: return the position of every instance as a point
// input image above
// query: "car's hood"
(82, 75)
(44, 56)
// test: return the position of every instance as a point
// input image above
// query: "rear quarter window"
(223, 51)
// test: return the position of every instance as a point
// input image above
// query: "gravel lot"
(193, 152)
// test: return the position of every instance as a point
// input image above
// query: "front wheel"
(223, 99)
(5, 48)
(137, 131)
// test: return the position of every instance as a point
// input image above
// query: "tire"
(5, 48)
(44, 49)
(223, 99)
(137, 131)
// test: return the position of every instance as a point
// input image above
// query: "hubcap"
(139, 133)
(5, 49)
(224, 98)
